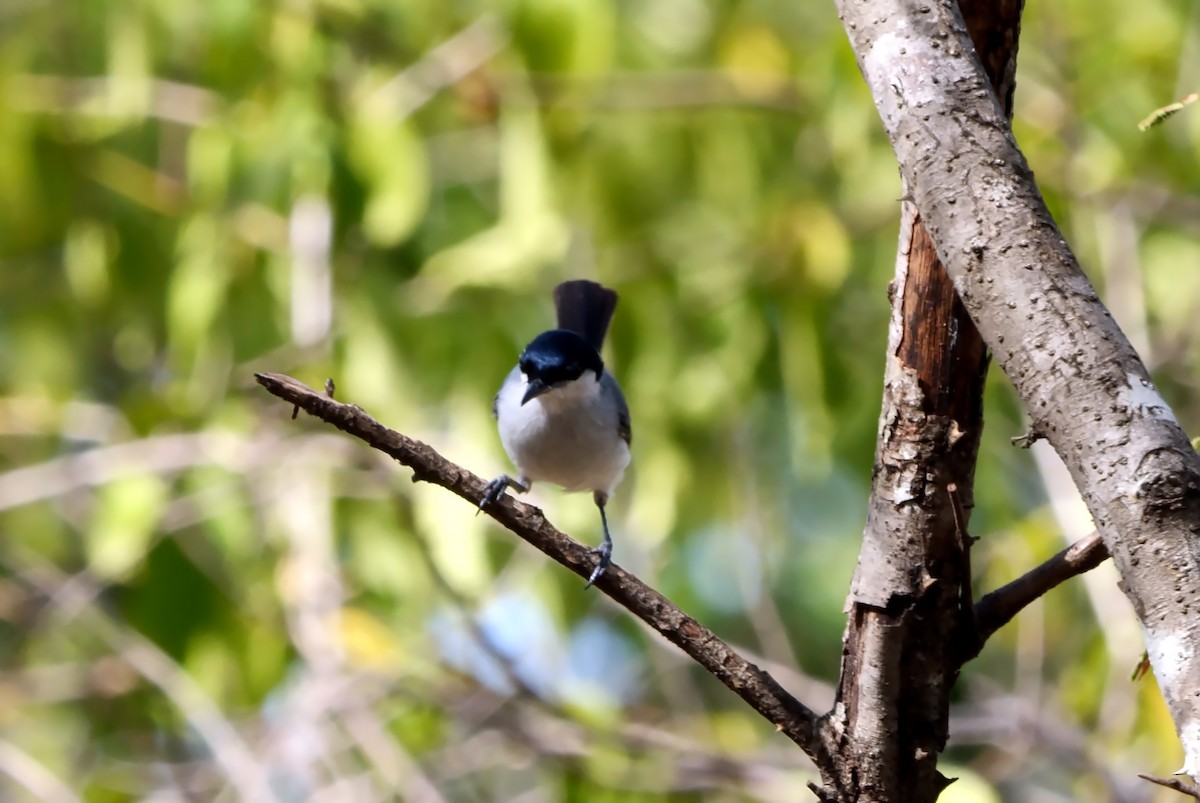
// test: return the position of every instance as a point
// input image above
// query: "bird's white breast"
(567, 436)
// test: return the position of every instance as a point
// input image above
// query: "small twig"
(662, 90)
(170, 101)
(960, 516)
(823, 795)
(1162, 113)
(1173, 783)
(1142, 667)
(32, 774)
(996, 609)
(761, 691)
(161, 455)
(446, 64)
(966, 594)
(1028, 439)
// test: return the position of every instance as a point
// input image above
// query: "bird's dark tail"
(585, 308)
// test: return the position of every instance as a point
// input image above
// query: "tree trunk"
(910, 607)
(1083, 385)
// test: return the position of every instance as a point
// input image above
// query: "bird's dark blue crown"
(560, 355)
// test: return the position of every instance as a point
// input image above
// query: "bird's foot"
(604, 553)
(495, 489)
(491, 492)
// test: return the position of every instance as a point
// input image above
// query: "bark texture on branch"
(754, 685)
(1082, 383)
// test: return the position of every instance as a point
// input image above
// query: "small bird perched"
(562, 416)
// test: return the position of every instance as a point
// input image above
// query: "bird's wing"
(609, 385)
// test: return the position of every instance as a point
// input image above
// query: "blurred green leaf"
(86, 258)
(124, 524)
(572, 36)
(198, 284)
(390, 159)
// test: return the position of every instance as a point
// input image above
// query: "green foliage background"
(202, 599)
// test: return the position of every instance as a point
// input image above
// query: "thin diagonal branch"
(102, 96)
(998, 607)
(761, 691)
(34, 776)
(1173, 783)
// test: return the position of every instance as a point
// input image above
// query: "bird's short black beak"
(535, 388)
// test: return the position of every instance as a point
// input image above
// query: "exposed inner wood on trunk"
(905, 642)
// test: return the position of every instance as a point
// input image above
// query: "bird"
(561, 415)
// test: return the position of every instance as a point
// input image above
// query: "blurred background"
(202, 599)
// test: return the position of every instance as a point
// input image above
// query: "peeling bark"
(1082, 383)
(910, 608)
(910, 605)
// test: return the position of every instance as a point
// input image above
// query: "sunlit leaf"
(198, 283)
(124, 524)
(390, 159)
(369, 644)
(86, 258)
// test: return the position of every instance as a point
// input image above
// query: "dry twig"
(997, 608)
(1173, 783)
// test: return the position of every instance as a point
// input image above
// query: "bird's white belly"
(567, 442)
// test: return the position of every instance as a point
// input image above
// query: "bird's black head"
(556, 357)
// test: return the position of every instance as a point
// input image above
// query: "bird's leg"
(493, 490)
(604, 551)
